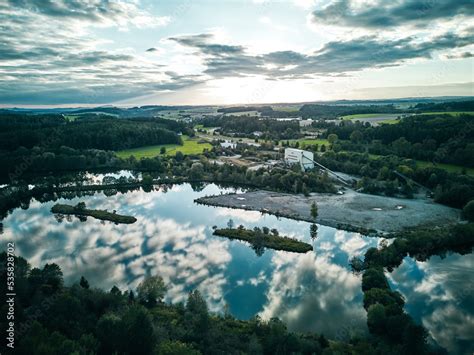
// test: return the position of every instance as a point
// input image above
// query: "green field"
(200, 126)
(190, 146)
(305, 142)
(395, 121)
(448, 167)
(361, 115)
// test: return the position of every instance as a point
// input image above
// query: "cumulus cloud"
(437, 296)
(303, 291)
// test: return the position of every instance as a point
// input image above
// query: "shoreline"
(371, 215)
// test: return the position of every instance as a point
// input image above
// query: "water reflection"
(173, 238)
(439, 294)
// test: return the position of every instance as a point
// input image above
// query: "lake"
(173, 238)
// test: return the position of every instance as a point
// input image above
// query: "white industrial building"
(303, 158)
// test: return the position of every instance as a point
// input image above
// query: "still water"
(173, 238)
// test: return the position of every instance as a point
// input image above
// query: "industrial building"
(303, 158)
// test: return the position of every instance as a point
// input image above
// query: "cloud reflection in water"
(173, 238)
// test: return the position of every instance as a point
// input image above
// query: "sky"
(206, 52)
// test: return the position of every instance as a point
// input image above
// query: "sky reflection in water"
(173, 238)
(439, 294)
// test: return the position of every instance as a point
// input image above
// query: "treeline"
(421, 244)
(440, 138)
(245, 126)
(97, 132)
(467, 105)
(161, 169)
(53, 319)
(236, 109)
(335, 111)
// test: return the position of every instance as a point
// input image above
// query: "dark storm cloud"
(386, 14)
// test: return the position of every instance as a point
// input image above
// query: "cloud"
(462, 55)
(97, 11)
(302, 292)
(437, 296)
(37, 67)
(334, 58)
(203, 43)
(382, 14)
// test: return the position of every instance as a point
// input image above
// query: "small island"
(80, 210)
(264, 238)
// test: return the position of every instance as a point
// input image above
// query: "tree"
(254, 348)
(52, 276)
(147, 179)
(468, 211)
(230, 224)
(170, 347)
(84, 283)
(314, 210)
(332, 138)
(374, 278)
(151, 291)
(179, 156)
(376, 319)
(81, 206)
(137, 330)
(196, 316)
(356, 264)
(356, 136)
(109, 333)
(162, 150)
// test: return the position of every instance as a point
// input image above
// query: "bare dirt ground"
(351, 211)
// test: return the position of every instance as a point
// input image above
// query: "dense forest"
(440, 138)
(464, 105)
(97, 132)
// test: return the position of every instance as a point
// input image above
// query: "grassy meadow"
(190, 146)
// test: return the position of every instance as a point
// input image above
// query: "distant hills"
(442, 103)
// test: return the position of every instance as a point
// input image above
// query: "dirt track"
(350, 211)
